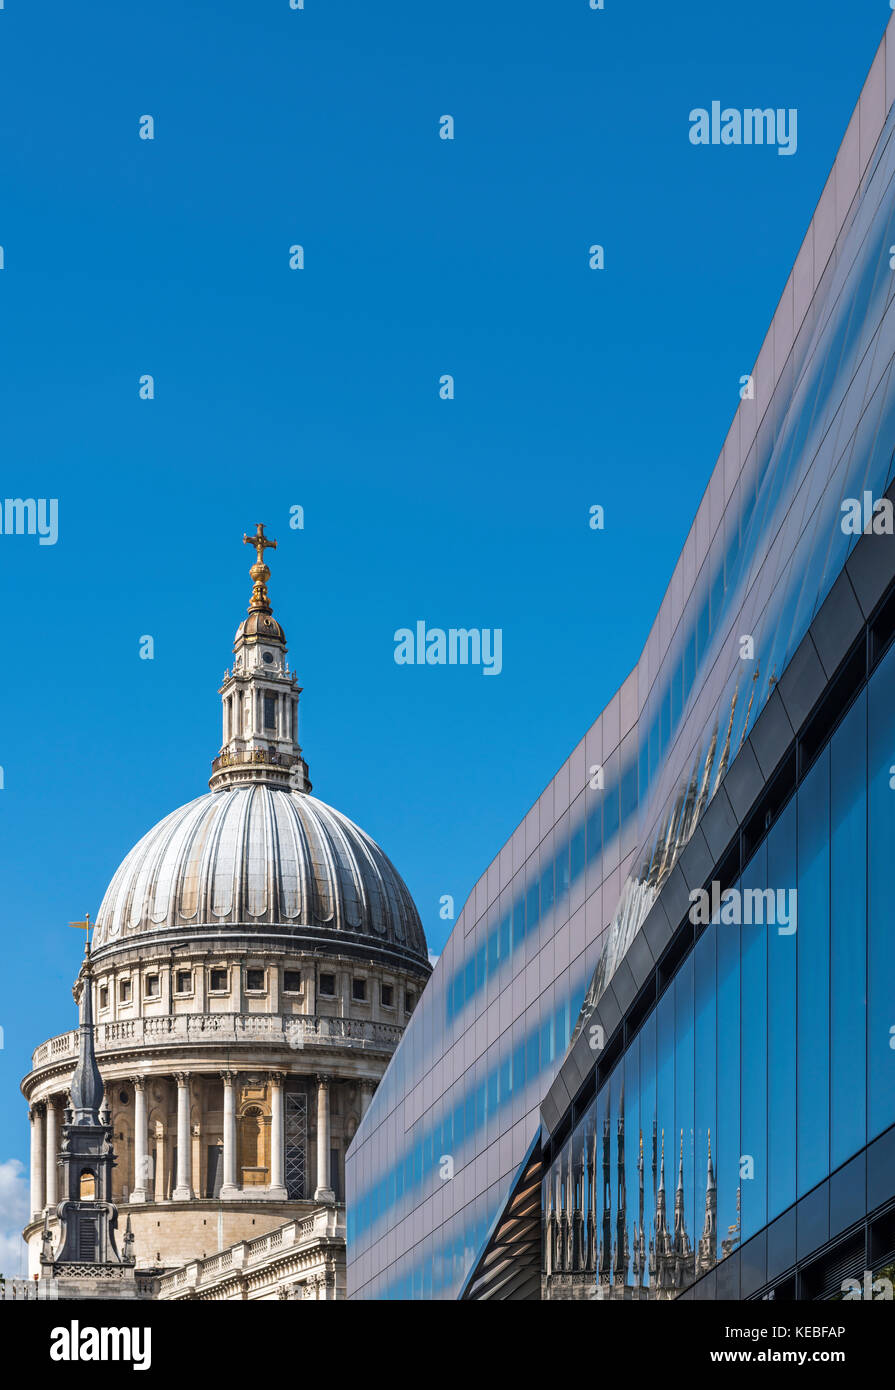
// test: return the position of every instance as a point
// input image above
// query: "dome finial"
(260, 573)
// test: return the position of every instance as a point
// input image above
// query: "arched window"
(87, 1186)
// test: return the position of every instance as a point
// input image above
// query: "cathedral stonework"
(253, 965)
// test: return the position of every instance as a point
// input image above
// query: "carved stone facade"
(299, 1260)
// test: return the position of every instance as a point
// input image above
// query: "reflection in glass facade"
(546, 927)
(766, 1063)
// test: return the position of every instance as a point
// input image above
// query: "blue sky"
(319, 388)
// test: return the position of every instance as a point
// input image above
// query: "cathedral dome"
(260, 856)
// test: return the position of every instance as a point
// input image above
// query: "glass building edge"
(811, 836)
(669, 686)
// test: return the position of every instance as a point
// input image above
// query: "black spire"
(86, 1085)
(87, 1214)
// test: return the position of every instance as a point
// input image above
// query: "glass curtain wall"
(769, 1059)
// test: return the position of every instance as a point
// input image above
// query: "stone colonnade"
(47, 1116)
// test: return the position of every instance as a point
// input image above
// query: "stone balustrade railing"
(293, 1031)
(247, 1253)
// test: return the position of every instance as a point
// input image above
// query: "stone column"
(52, 1152)
(229, 1186)
(183, 1191)
(142, 1161)
(277, 1152)
(323, 1191)
(366, 1095)
(161, 1177)
(38, 1161)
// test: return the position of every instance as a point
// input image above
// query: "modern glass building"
(599, 1096)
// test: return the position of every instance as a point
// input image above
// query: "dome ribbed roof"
(259, 856)
(261, 624)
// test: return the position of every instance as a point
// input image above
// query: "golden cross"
(84, 927)
(259, 541)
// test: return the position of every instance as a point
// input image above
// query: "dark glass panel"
(632, 1138)
(616, 1163)
(728, 1148)
(648, 1122)
(813, 952)
(754, 1051)
(848, 951)
(684, 1092)
(881, 941)
(781, 1023)
(705, 1023)
(667, 1136)
(602, 1183)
